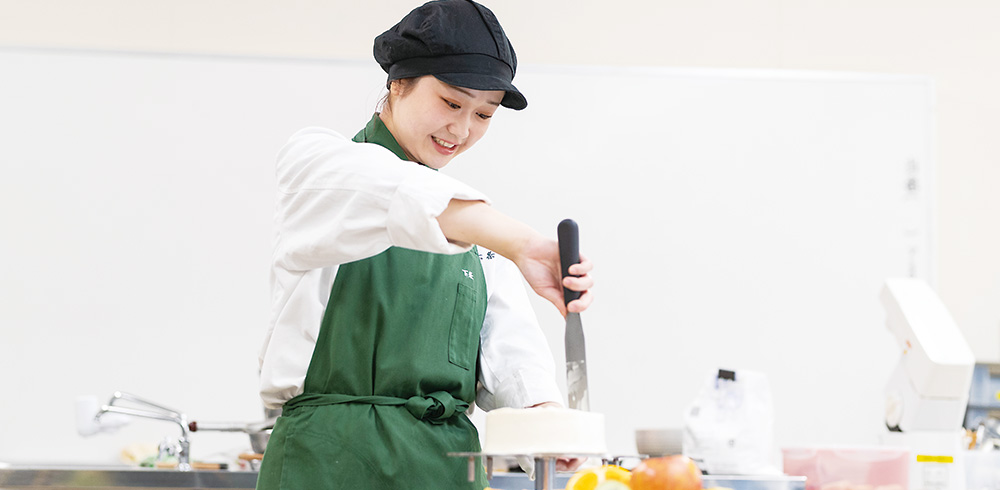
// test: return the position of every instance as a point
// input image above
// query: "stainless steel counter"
(120, 478)
(520, 481)
(128, 478)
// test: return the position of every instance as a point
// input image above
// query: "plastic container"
(878, 466)
(982, 470)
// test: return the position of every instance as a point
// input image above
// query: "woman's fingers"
(568, 464)
(581, 283)
(582, 303)
(581, 268)
(579, 280)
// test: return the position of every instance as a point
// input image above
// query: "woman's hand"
(562, 464)
(539, 262)
(535, 255)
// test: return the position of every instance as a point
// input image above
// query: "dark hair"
(405, 86)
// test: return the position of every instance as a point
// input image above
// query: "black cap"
(460, 42)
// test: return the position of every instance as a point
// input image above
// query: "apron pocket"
(463, 341)
(315, 461)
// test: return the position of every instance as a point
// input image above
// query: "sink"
(70, 477)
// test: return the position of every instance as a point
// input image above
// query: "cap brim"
(512, 98)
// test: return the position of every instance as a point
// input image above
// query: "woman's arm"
(340, 201)
(537, 257)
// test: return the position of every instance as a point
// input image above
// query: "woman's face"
(434, 121)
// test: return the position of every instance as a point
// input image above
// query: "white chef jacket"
(339, 201)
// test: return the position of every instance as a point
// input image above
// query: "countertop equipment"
(927, 394)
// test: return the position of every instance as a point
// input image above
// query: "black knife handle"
(569, 252)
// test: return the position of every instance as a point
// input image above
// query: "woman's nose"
(460, 127)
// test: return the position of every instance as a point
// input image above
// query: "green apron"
(391, 376)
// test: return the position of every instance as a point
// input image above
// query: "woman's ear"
(395, 88)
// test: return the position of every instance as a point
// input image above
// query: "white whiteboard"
(738, 219)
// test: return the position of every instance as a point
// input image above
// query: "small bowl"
(659, 442)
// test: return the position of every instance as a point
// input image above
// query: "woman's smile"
(446, 147)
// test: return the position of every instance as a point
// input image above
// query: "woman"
(386, 310)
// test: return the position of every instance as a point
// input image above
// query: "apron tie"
(435, 408)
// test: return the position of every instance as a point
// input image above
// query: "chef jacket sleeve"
(341, 201)
(516, 364)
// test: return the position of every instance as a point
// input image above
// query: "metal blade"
(576, 364)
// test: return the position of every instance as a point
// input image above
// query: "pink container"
(845, 467)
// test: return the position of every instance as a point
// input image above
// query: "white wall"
(954, 43)
(744, 219)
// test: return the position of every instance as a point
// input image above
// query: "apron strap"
(435, 408)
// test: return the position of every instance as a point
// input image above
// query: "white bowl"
(659, 442)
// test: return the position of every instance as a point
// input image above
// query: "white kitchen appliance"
(927, 394)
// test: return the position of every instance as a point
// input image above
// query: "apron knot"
(436, 407)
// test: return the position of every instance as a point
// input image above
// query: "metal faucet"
(987, 435)
(158, 412)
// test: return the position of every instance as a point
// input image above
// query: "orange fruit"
(591, 478)
(666, 473)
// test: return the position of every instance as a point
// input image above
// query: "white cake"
(544, 430)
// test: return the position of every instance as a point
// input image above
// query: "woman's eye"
(484, 116)
(451, 104)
